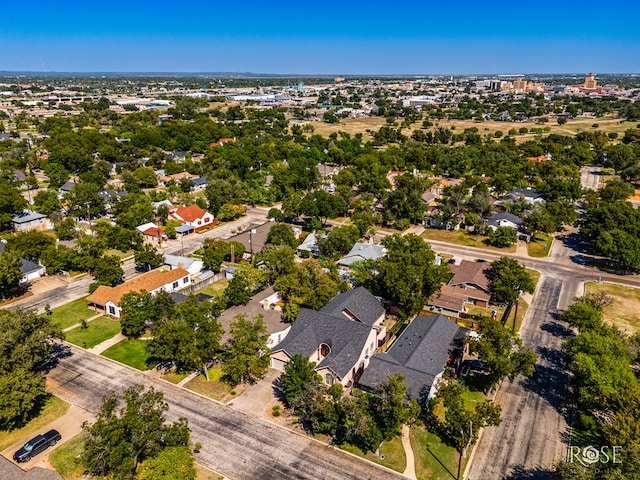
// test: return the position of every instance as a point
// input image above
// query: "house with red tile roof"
(222, 141)
(193, 216)
(152, 233)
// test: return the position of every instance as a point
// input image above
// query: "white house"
(28, 221)
(193, 216)
(107, 299)
(191, 265)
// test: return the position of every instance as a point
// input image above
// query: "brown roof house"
(108, 299)
(470, 284)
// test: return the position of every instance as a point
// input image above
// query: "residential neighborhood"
(418, 272)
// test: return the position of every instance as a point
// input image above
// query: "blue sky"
(359, 37)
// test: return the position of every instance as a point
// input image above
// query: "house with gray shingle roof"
(505, 219)
(11, 471)
(339, 347)
(362, 251)
(420, 354)
(27, 221)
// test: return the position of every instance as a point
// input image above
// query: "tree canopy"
(125, 435)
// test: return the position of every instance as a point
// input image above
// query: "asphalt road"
(535, 411)
(235, 444)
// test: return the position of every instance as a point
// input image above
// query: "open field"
(97, 331)
(51, 409)
(71, 313)
(349, 125)
(625, 311)
(132, 352)
(572, 127)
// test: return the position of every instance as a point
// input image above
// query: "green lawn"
(51, 409)
(215, 289)
(539, 245)
(391, 454)
(97, 331)
(434, 459)
(215, 388)
(175, 377)
(65, 459)
(121, 255)
(71, 313)
(460, 237)
(132, 352)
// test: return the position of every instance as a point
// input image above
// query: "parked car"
(36, 445)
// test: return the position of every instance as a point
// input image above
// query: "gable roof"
(358, 303)
(68, 186)
(346, 339)
(363, 251)
(177, 260)
(420, 353)
(468, 272)
(200, 181)
(27, 216)
(191, 213)
(530, 193)
(497, 218)
(148, 281)
(27, 266)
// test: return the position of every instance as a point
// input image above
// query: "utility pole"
(251, 232)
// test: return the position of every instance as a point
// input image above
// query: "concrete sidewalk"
(101, 347)
(410, 470)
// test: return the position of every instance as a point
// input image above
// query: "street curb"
(240, 412)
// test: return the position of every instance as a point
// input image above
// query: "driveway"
(259, 398)
(69, 425)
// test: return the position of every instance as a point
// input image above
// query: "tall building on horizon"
(590, 81)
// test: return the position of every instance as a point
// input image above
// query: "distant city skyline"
(359, 38)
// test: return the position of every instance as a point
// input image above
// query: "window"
(328, 379)
(112, 310)
(175, 284)
(185, 280)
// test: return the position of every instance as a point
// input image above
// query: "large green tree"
(175, 463)
(509, 279)
(298, 378)
(147, 257)
(408, 275)
(247, 355)
(30, 245)
(123, 437)
(190, 337)
(503, 351)
(11, 203)
(25, 345)
(10, 274)
(307, 286)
